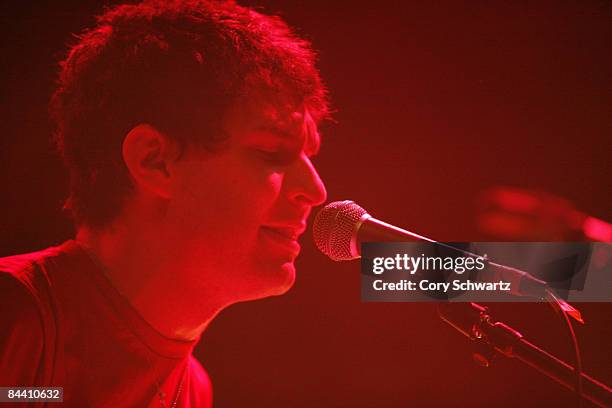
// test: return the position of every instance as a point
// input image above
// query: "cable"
(559, 310)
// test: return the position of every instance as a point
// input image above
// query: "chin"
(288, 280)
(273, 281)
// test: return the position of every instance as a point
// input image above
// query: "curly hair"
(176, 65)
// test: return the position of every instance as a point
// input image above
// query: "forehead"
(275, 118)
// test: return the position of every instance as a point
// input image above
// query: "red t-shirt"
(62, 323)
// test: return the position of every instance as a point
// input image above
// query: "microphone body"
(374, 230)
(342, 226)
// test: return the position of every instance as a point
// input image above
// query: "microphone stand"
(490, 337)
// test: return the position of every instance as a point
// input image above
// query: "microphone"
(340, 227)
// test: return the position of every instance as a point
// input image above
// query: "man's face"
(238, 212)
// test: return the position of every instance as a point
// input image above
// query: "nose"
(303, 183)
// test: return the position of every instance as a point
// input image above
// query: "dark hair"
(176, 65)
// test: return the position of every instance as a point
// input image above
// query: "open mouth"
(284, 232)
(284, 237)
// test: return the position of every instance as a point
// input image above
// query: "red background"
(435, 102)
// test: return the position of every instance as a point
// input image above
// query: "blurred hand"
(528, 215)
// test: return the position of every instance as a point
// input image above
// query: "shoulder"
(22, 338)
(24, 281)
(26, 316)
(35, 271)
(20, 286)
(28, 269)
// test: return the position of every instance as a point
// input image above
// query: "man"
(187, 128)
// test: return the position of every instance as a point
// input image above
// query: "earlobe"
(148, 154)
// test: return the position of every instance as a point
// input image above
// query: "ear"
(149, 156)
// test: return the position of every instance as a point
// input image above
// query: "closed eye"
(282, 157)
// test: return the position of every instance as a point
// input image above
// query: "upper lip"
(291, 231)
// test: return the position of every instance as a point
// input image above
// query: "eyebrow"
(312, 142)
(276, 130)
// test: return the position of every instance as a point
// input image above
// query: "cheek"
(226, 197)
(273, 183)
(253, 197)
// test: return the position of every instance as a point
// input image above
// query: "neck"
(148, 273)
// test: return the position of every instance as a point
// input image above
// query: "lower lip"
(280, 240)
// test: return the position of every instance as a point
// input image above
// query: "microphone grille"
(334, 227)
